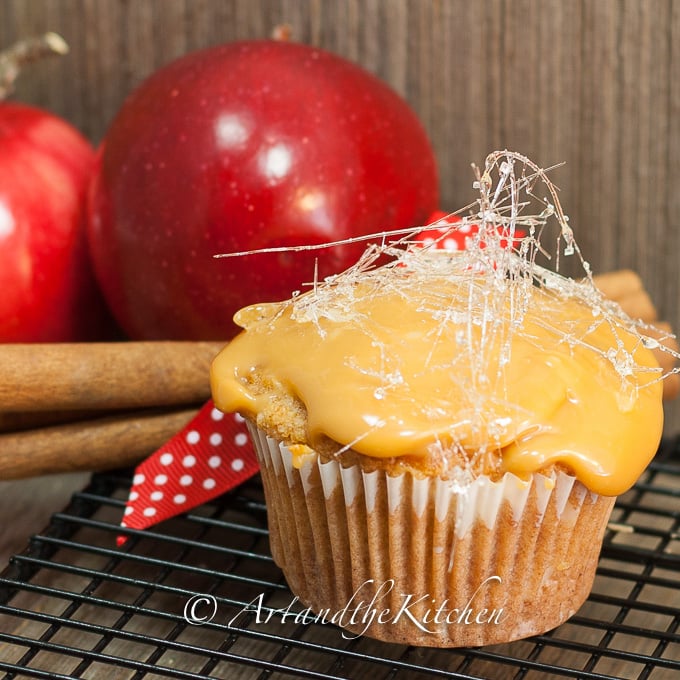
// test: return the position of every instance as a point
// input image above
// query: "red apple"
(47, 290)
(247, 146)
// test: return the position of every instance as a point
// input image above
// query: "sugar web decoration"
(509, 204)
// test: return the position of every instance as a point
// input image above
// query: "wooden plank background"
(592, 83)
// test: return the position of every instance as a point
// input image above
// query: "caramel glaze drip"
(439, 373)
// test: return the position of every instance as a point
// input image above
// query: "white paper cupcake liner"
(426, 561)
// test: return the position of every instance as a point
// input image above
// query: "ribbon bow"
(213, 453)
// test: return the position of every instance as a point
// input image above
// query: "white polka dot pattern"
(211, 455)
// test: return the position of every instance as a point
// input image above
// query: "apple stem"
(24, 52)
(282, 33)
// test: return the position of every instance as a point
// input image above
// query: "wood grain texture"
(26, 507)
(591, 83)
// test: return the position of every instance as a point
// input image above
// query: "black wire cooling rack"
(72, 605)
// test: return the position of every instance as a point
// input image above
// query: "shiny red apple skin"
(47, 289)
(246, 146)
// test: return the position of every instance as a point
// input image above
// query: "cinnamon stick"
(100, 444)
(104, 376)
(671, 384)
(15, 421)
(626, 288)
(617, 284)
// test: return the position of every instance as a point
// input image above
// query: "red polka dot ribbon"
(213, 453)
(446, 233)
(210, 456)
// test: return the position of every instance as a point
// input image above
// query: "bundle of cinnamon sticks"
(98, 406)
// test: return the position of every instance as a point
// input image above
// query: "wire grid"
(72, 605)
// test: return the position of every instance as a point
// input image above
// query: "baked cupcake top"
(453, 364)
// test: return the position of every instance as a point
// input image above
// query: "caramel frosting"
(432, 358)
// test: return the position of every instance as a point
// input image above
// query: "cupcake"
(442, 436)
